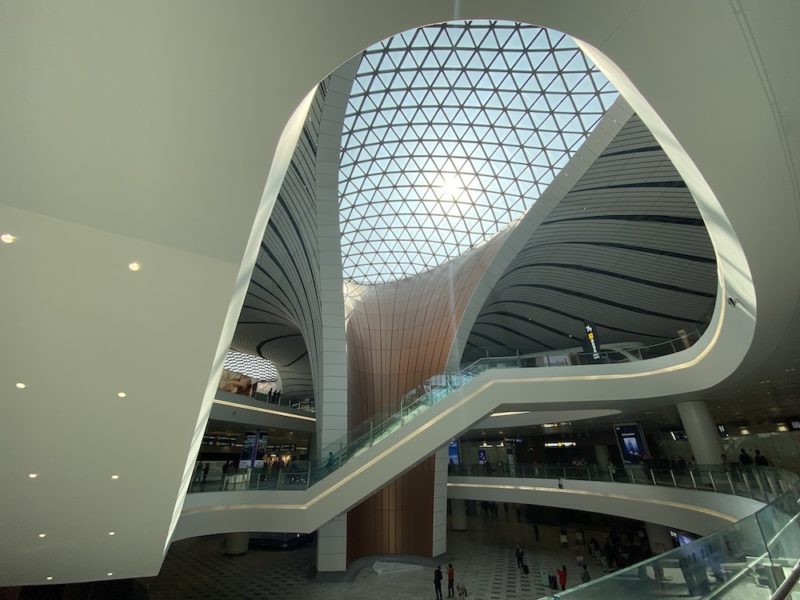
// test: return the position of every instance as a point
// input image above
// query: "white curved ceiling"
(626, 250)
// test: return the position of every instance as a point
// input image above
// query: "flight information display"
(632, 446)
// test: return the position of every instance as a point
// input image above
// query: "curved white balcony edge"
(702, 512)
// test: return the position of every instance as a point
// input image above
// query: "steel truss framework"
(452, 132)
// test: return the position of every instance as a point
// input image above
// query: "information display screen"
(452, 451)
(253, 450)
(632, 446)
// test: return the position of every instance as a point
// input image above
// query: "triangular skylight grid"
(451, 133)
(252, 366)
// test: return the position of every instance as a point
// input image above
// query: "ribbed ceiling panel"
(281, 319)
(626, 249)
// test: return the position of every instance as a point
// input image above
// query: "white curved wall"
(625, 249)
(691, 510)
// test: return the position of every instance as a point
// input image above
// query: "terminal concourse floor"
(483, 558)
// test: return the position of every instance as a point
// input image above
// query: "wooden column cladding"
(398, 335)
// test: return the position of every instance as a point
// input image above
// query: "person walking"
(330, 462)
(451, 576)
(585, 577)
(562, 577)
(437, 582)
(520, 554)
(206, 468)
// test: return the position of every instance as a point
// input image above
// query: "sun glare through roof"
(452, 132)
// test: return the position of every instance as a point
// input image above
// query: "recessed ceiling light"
(8, 238)
(33, 475)
(134, 266)
(49, 578)
(109, 573)
(115, 476)
(42, 535)
(20, 386)
(122, 394)
(112, 533)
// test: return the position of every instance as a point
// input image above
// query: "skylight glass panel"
(252, 366)
(451, 133)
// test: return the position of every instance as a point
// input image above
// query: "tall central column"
(399, 334)
(701, 431)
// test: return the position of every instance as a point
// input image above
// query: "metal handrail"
(730, 480)
(785, 588)
(418, 400)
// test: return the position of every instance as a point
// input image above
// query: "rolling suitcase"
(525, 569)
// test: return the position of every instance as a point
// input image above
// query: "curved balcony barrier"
(764, 484)
(421, 398)
(749, 559)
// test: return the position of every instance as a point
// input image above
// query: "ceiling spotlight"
(115, 476)
(8, 238)
(49, 578)
(134, 266)
(109, 573)
(122, 395)
(112, 533)
(42, 535)
(20, 386)
(33, 475)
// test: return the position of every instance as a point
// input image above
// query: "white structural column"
(701, 431)
(439, 545)
(332, 393)
(601, 456)
(458, 514)
(237, 543)
(659, 538)
(332, 545)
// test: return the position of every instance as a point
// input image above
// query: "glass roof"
(252, 366)
(452, 132)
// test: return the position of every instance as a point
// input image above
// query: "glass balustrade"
(430, 393)
(747, 560)
(759, 483)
